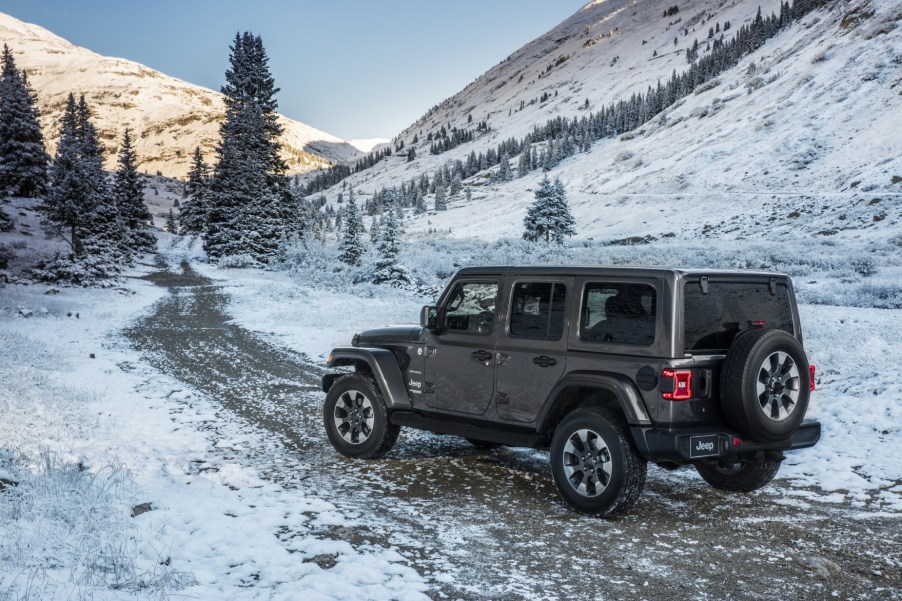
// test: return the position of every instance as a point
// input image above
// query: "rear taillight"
(679, 387)
(811, 376)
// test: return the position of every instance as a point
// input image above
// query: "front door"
(532, 350)
(460, 358)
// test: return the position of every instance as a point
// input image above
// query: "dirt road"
(489, 524)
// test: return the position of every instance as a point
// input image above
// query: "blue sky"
(354, 68)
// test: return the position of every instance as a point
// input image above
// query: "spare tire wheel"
(764, 384)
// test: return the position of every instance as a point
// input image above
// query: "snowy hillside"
(802, 136)
(170, 117)
(367, 144)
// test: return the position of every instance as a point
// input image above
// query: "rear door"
(532, 348)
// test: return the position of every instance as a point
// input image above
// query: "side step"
(442, 425)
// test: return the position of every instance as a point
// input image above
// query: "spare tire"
(764, 384)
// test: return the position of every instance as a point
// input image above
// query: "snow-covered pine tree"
(78, 207)
(419, 206)
(468, 194)
(548, 156)
(523, 163)
(71, 201)
(504, 168)
(549, 216)
(374, 230)
(351, 247)
(299, 218)
(6, 222)
(388, 270)
(456, 185)
(194, 209)
(23, 158)
(106, 240)
(249, 81)
(171, 224)
(128, 194)
(248, 190)
(564, 224)
(440, 204)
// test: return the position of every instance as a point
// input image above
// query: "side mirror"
(429, 317)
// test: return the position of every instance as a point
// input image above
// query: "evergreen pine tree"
(564, 224)
(249, 195)
(374, 230)
(171, 224)
(6, 222)
(351, 247)
(523, 162)
(303, 213)
(440, 204)
(419, 206)
(69, 204)
(78, 207)
(456, 184)
(193, 214)
(388, 270)
(106, 239)
(128, 194)
(504, 168)
(23, 158)
(549, 216)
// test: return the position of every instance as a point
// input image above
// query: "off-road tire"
(373, 440)
(739, 477)
(746, 372)
(628, 468)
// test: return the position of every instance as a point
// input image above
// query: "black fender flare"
(621, 387)
(384, 367)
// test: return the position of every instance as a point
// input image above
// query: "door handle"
(544, 361)
(481, 355)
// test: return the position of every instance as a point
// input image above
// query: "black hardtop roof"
(614, 270)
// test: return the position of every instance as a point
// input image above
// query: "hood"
(403, 333)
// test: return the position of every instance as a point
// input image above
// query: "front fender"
(384, 367)
(621, 387)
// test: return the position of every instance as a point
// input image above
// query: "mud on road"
(489, 524)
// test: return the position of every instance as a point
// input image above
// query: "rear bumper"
(696, 444)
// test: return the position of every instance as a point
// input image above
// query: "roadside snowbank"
(89, 433)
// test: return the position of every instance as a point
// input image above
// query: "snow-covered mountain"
(367, 144)
(804, 133)
(170, 117)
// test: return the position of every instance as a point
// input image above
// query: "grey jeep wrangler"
(607, 367)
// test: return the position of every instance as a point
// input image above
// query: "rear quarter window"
(711, 321)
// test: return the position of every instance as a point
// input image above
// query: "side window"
(538, 310)
(471, 308)
(618, 313)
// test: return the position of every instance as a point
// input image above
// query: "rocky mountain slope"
(802, 136)
(170, 117)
